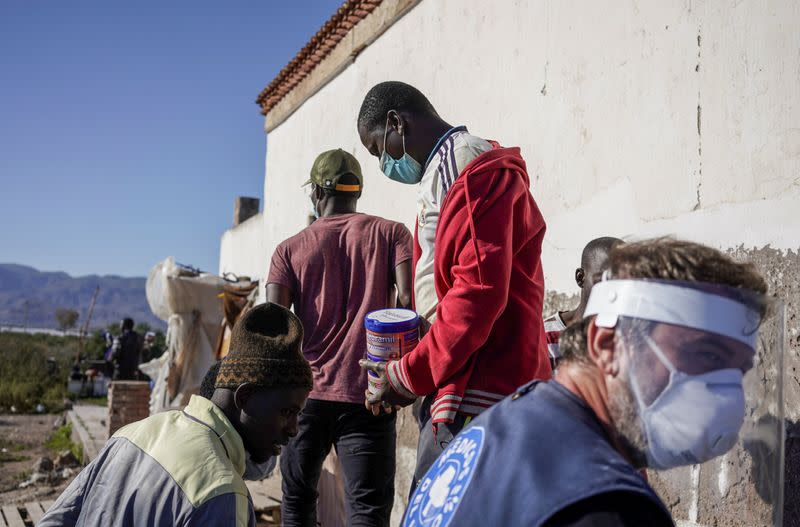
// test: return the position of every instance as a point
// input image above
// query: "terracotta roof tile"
(318, 47)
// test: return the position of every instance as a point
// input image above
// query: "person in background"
(594, 260)
(184, 467)
(478, 274)
(126, 357)
(651, 376)
(150, 350)
(108, 355)
(334, 272)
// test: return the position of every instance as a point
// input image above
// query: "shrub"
(33, 370)
(61, 440)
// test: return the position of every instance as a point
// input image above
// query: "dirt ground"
(23, 437)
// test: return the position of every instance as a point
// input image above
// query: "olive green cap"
(330, 166)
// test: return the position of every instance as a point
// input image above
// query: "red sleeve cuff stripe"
(392, 374)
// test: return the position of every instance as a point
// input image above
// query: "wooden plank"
(272, 488)
(47, 504)
(270, 504)
(35, 511)
(269, 518)
(2, 520)
(13, 517)
(266, 494)
(264, 503)
(276, 516)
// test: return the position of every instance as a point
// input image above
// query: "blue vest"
(522, 461)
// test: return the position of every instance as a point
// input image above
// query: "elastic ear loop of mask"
(637, 393)
(656, 349)
(634, 382)
(385, 134)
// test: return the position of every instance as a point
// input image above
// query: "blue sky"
(127, 129)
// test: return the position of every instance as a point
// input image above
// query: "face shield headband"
(677, 303)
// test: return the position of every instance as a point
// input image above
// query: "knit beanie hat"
(266, 350)
(208, 382)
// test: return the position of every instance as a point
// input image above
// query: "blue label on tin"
(376, 358)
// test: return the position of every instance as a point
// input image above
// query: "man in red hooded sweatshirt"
(477, 267)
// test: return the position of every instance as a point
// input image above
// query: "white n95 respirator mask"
(695, 418)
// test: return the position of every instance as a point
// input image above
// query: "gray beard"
(624, 412)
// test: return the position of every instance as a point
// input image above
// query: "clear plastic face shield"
(702, 397)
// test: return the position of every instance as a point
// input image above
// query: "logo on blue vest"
(439, 493)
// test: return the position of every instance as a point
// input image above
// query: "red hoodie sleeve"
(478, 288)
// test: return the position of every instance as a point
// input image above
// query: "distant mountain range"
(31, 297)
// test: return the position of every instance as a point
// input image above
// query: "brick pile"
(128, 401)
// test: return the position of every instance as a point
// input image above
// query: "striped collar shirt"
(454, 151)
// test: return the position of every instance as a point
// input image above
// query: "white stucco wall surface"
(243, 252)
(635, 119)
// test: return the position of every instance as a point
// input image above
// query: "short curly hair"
(667, 259)
(391, 95)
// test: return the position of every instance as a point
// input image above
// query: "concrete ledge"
(88, 428)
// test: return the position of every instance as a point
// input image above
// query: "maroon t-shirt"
(338, 269)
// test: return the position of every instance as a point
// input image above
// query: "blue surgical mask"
(404, 170)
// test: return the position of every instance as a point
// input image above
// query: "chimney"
(244, 208)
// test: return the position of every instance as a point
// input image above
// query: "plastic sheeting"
(190, 305)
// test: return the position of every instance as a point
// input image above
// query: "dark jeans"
(365, 445)
(432, 442)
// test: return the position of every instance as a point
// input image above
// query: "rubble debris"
(42, 465)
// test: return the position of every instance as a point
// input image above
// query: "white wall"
(243, 251)
(602, 97)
